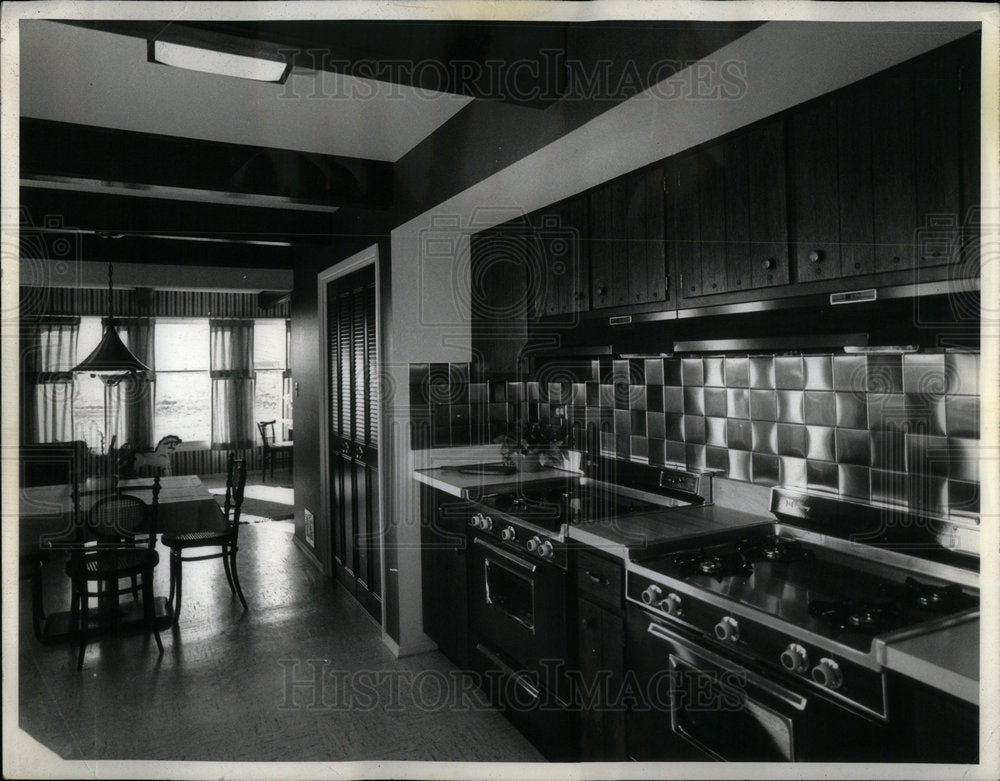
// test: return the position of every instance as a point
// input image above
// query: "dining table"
(47, 523)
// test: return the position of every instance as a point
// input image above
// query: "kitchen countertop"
(947, 659)
(462, 485)
(616, 536)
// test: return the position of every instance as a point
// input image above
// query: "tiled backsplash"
(883, 427)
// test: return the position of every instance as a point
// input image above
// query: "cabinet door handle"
(597, 578)
(815, 256)
(602, 291)
(768, 264)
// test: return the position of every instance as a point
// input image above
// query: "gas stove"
(815, 606)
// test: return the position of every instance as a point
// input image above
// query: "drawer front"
(599, 579)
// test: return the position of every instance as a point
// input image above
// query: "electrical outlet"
(310, 527)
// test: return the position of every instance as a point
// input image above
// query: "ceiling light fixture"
(220, 58)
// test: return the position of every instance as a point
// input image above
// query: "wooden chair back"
(236, 482)
(266, 428)
(124, 519)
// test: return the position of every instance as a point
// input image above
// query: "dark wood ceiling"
(159, 193)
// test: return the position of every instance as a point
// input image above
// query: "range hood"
(772, 343)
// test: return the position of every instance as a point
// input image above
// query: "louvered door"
(353, 435)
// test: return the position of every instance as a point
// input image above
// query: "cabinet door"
(767, 204)
(499, 296)
(937, 139)
(684, 238)
(813, 197)
(608, 248)
(854, 175)
(893, 174)
(712, 217)
(644, 237)
(563, 283)
(443, 566)
(738, 250)
(600, 652)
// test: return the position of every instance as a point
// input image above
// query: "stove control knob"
(827, 673)
(476, 520)
(672, 605)
(545, 550)
(485, 523)
(727, 629)
(508, 534)
(533, 544)
(795, 658)
(652, 595)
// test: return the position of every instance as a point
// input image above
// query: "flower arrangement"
(540, 442)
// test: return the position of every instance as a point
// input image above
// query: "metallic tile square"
(654, 371)
(655, 427)
(885, 374)
(962, 370)
(790, 406)
(620, 372)
(639, 448)
(764, 469)
(478, 393)
(788, 373)
(715, 402)
(717, 458)
(764, 437)
(889, 487)
(637, 420)
(761, 371)
(672, 371)
(714, 372)
(694, 400)
(637, 397)
(924, 373)
(963, 497)
(578, 394)
(515, 392)
(673, 452)
(791, 440)
(928, 455)
(820, 408)
(692, 371)
(850, 373)
(656, 451)
(818, 372)
(737, 373)
(852, 409)
(822, 476)
(593, 394)
(673, 426)
(854, 481)
(739, 434)
(926, 414)
(927, 494)
(962, 416)
(853, 447)
(623, 422)
(694, 456)
(737, 403)
(673, 398)
(694, 429)
(531, 388)
(763, 405)
(715, 431)
(623, 444)
(608, 442)
(739, 465)
(820, 443)
(889, 450)
(792, 471)
(963, 458)
(887, 411)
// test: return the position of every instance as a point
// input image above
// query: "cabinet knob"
(768, 264)
(815, 256)
(602, 291)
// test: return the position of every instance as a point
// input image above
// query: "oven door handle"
(785, 695)
(679, 729)
(526, 565)
(508, 670)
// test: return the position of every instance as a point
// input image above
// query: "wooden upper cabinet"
(684, 234)
(558, 275)
(627, 258)
(854, 177)
(767, 205)
(813, 199)
(738, 250)
(712, 217)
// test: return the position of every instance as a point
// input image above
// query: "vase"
(528, 462)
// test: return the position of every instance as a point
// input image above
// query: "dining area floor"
(303, 675)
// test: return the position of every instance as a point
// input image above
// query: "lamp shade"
(111, 356)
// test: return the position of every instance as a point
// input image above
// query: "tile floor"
(235, 686)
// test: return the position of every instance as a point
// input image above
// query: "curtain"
(48, 353)
(232, 384)
(138, 395)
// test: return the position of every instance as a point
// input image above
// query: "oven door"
(517, 607)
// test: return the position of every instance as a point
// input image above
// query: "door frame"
(368, 256)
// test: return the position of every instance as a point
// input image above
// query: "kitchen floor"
(301, 676)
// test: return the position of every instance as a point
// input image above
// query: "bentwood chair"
(118, 541)
(226, 539)
(273, 450)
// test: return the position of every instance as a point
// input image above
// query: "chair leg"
(148, 609)
(135, 589)
(229, 572)
(236, 578)
(37, 608)
(174, 556)
(175, 566)
(82, 612)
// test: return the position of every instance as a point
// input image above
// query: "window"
(183, 404)
(269, 365)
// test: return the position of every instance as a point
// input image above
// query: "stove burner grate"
(852, 614)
